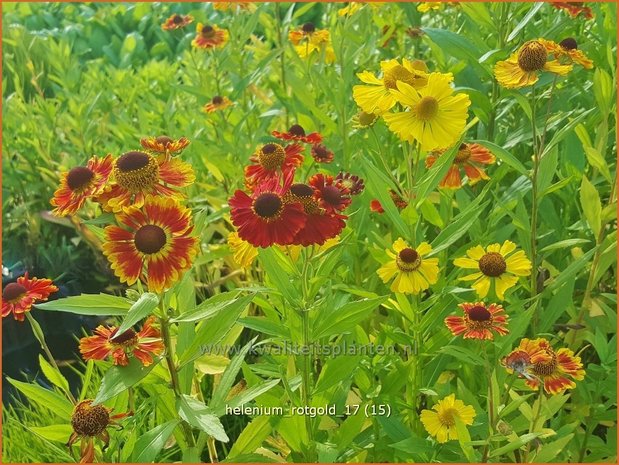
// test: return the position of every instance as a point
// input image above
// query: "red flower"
(398, 200)
(331, 194)
(142, 345)
(210, 37)
(81, 183)
(264, 219)
(468, 158)
(176, 22)
(376, 207)
(574, 9)
(297, 134)
(271, 160)
(354, 184)
(18, 297)
(478, 321)
(140, 174)
(164, 144)
(154, 243)
(320, 225)
(322, 154)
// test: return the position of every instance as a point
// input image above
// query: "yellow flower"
(496, 264)
(424, 7)
(349, 9)
(376, 97)
(436, 117)
(567, 49)
(413, 273)
(522, 68)
(441, 423)
(364, 120)
(244, 252)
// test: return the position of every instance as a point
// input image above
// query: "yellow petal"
(482, 286)
(471, 277)
(464, 262)
(399, 245)
(387, 271)
(494, 248)
(424, 249)
(476, 252)
(518, 264)
(502, 283)
(507, 248)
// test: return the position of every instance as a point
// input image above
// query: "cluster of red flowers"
(275, 209)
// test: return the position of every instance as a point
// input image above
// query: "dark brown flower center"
(546, 368)
(463, 155)
(217, 100)
(150, 239)
(427, 108)
(320, 152)
(129, 337)
(301, 190)
(79, 178)
(164, 140)
(89, 420)
(13, 292)
(308, 28)
(492, 264)
(268, 205)
(132, 161)
(297, 130)
(271, 156)
(332, 195)
(569, 44)
(177, 19)
(479, 313)
(408, 255)
(532, 56)
(208, 32)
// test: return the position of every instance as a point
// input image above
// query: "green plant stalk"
(282, 56)
(417, 381)
(535, 418)
(534, 200)
(496, 89)
(38, 333)
(169, 356)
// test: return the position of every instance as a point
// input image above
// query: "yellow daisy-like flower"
(435, 117)
(567, 49)
(217, 103)
(424, 7)
(497, 264)
(413, 273)
(243, 252)
(363, 120)
(239, 6)
(441, 423)
(376, 97)
(522, 68)
(308, 40)
(349, 9)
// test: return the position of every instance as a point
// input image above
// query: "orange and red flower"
(154, 244)
(142, 345)
(321, 154)
(217, 103)
(140, 174)
(320, 225)
(330, 193)
(210, 37)
(18, 297)
(164, 144)
(353, 183)
(574, 9)
(81, 183)
(538, 362)
(398, 201)
(264, 218)
(297, 133)
(176, 21)
(567, 51)
(272, 159)
(90, 422)
(479, 321)
(467, 159)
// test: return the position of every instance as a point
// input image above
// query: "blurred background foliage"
(83, 79)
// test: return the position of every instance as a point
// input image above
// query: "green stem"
(38, 332)
(282, 56)
(534, 206)
(535, 418)
(417, 372)
(169, 356)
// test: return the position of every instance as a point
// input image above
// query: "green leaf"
(53, 375)
(346, 317)
(517, 444)
(227, 380)
(280, 272)
(549, 451)
(150, 443)
(460, 225)
(89, 304)
(199, 416)
(335, 371)
(139, 310)
(210, 307)
(524, 21)
(251, 437)
(591, 205)
(248, 395)
(265, 326)
(431, 178)
(564, 244)
(458, 46)
(212, 331)
(464, 438)
(465, 355)
(44, 397)
(118, 378)
(595, 159)
(504, 156)
(56, 433)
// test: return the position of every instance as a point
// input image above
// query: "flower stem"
(534, 205)
(38, 333)
(169, 356)
(416, 371)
